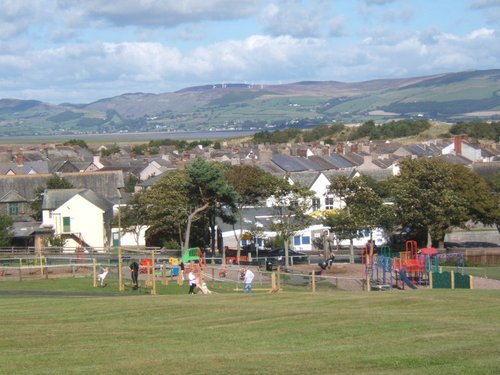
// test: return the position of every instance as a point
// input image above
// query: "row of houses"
(99, 183)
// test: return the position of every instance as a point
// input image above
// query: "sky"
(80, 51)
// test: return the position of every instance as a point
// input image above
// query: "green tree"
(76, 142)
(363, 209)
(182, 197)
(207, 188)
(483, 204)
(130, 183)
(290, 204)
(114, 149)
(169, 206)
(6, 230)
(54, 182)
(427, 199)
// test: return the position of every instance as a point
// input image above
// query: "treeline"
(390, 130)
(478, 130)
(181, 145)
(369, 130)
(297, 135)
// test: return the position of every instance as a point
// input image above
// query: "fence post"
(313, 281)
(452, 275)
(430, 280)
(94, 272)
(20, 270)
(153, 272)
(278, 278)
(164, 279)
(41, 265)
(121, 287)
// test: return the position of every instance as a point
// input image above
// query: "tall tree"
(427, 199)
(182, 197)
(169, 206)
(290, 203)
(207, 188)
(362, 209)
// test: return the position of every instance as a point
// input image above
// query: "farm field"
(329, 332)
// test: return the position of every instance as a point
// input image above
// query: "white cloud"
(291, 20)
(160, 13)
(16, 16)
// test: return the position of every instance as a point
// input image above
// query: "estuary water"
(124, 137)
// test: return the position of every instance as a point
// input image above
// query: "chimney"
(458, 145)
(20, 158)
(340, 148)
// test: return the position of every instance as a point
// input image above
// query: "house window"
(66, 224)
(306, 240)
(329, 203)
(13, 208)
(244, 242)
(296, 240)
(316, 204)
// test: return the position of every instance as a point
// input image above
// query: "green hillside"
(464, 96)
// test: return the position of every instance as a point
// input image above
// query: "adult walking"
(134, 273)
(248, 279)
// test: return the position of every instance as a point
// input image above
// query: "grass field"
(335, 332)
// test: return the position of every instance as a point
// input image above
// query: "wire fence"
(229, 277)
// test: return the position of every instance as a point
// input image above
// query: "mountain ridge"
(457, 96)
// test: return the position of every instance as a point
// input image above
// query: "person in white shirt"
(248, 279)
(192, 281)
(102, 276)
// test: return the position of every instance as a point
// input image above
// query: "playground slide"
(406, 280)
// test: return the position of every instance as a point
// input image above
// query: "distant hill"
(471, 95)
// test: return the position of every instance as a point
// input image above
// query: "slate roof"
(54, 198)
(294, 164)
(39, 166)
(106, 184)
(271, 168)
(306, 179)
(456, 159)
(385, 163)
(339, 161)
(346, 173)
(322, 162)
(486, 169)
(418, 150)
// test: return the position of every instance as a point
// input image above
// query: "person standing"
(134, 271)
(248, 279)
(192, 281)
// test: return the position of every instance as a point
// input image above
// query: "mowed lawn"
(334, 332)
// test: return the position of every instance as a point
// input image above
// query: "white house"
(155, 167)
(79, 216)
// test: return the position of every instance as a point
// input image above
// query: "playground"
(411, 268)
